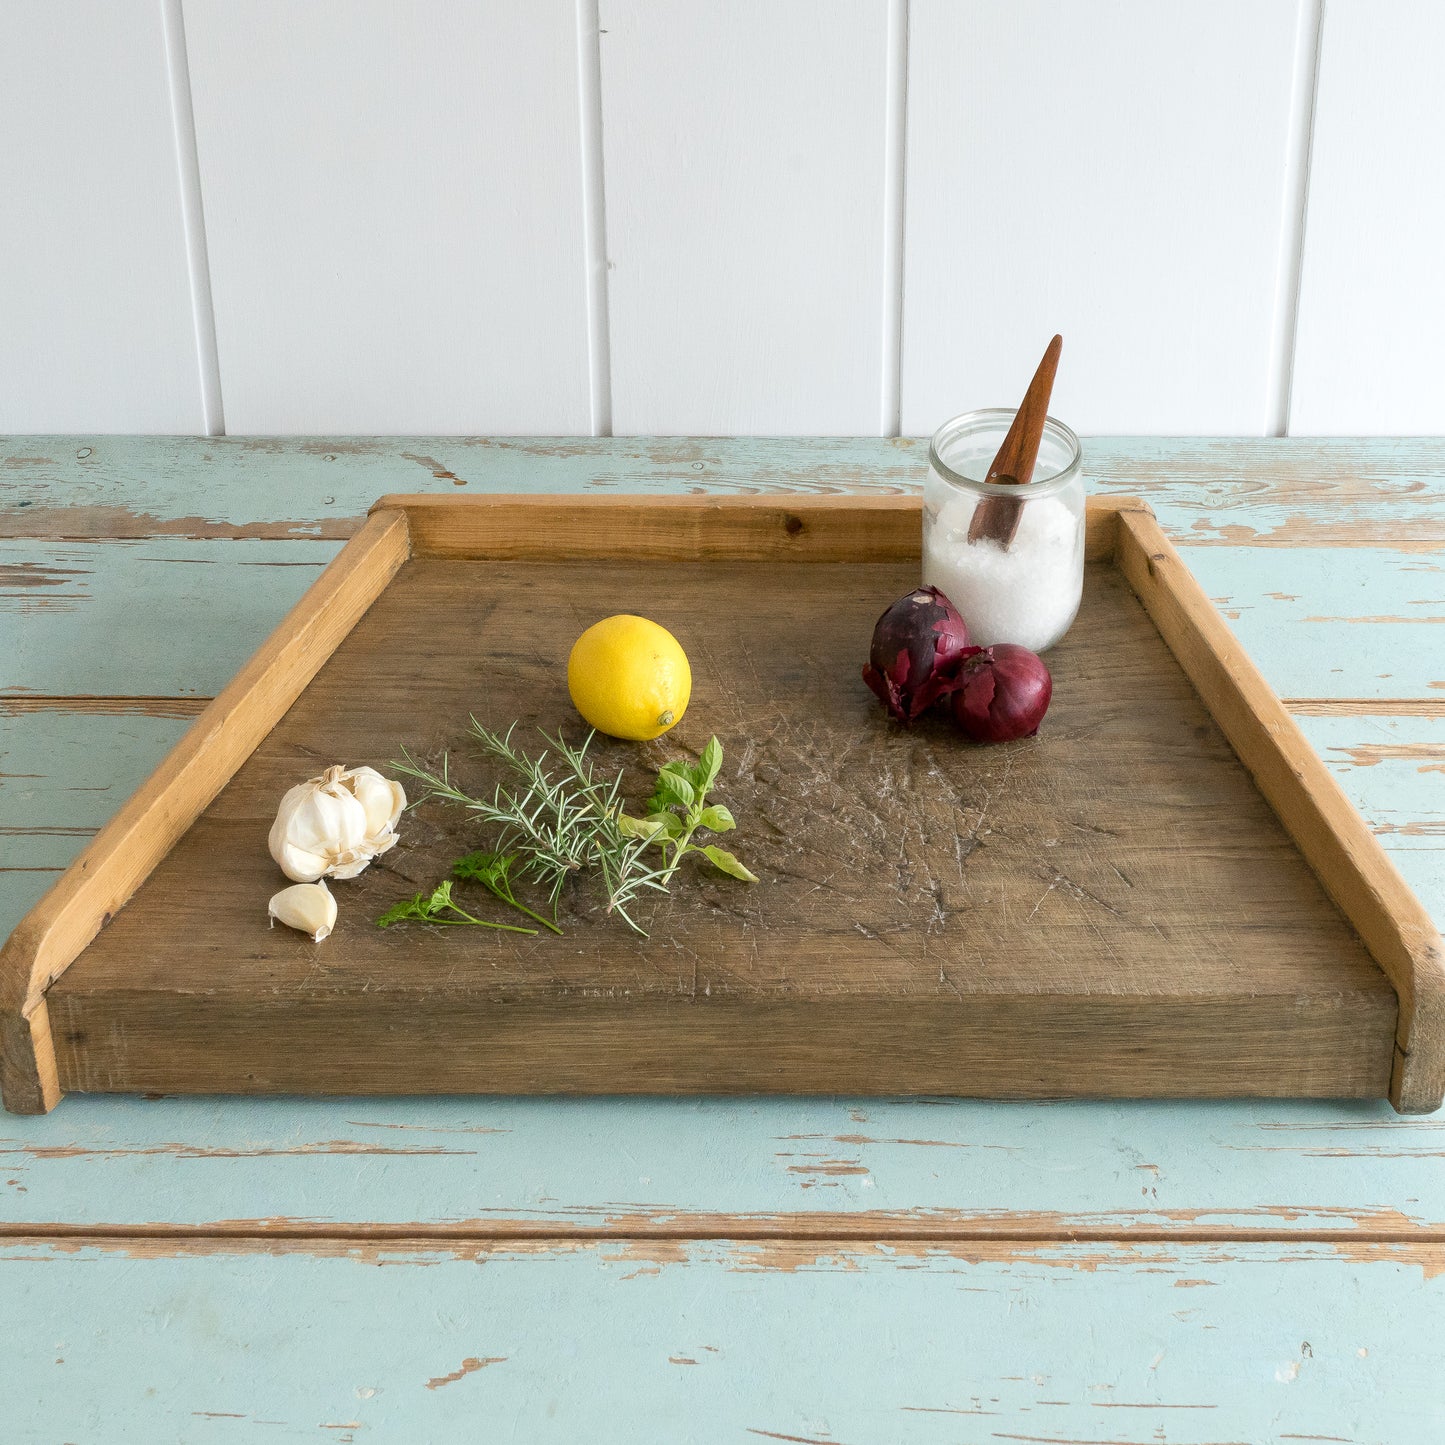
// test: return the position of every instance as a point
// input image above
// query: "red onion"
(918, 645)
(1003, 694)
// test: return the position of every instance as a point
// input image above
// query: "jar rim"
(999, 418)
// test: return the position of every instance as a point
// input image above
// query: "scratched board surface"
(1050, 917)
(1315, 1313)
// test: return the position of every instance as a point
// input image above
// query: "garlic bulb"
(308, 907)
(334, 825)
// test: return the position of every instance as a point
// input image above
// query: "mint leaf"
(674, 790)
(721, 858)
(653, 827)
(704, 775)
(717, 818)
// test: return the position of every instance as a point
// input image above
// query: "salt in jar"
(1025, 589)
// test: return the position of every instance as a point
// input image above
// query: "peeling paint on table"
(849, 1271)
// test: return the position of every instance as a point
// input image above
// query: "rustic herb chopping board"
(1111, 908)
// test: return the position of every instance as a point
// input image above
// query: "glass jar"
(1010, 558)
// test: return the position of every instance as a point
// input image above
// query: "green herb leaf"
(704, 775)
(483, 867)
(674, 789)
(717, 818)
(648, 827)
(400, 912)
(721, 858)
(493, 871)
(425, 909)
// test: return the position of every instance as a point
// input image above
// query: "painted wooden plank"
(1305, 492)
(21, 887)
(94, 292)
(128, 617)
(1394, 770)
(816, 1343)
(62, 775)
(744, 150)
(1113, 173)
(1330, 622)
(394, 213)
(1372, 294)
(155, 617)
(736, 1167)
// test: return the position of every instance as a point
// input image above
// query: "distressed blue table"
(848, 1271)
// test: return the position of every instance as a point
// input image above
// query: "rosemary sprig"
(429, 909)
(491, 870)
(558, 818)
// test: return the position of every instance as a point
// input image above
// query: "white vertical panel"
(393, 203)
(745, 148)
(1372, 293)
(95, 306)
(1115, 172)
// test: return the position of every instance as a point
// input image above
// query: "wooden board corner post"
(125, 851)
(1334, 839)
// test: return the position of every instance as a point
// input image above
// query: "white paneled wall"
(1372, 296)
(95, 302)
(744, 150)
(770, 216)
(1114, 172)
(393, 207)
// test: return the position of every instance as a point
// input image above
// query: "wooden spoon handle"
(997, 518)
(1020, 450)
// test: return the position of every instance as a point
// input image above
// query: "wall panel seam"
(1298, 160)
(895, 182)
(208, 362)
(594, 213)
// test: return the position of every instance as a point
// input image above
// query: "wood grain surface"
(945, 903)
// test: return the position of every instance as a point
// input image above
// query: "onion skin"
(919, 645)
(1002, 695)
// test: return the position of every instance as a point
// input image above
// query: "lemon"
(629, 677)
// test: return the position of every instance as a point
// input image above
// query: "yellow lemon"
(629, 677)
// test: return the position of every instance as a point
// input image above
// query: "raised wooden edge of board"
(1336, 842)
(1331, 835)
(502, 527)
(121, 856)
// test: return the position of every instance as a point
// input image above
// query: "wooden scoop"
(997, 518)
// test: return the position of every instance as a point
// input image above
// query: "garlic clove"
(382, 799)
(307, 907)
(326, 822)
(349, 866)
(297, 863)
